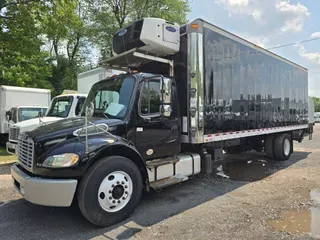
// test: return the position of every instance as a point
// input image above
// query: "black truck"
(189, 92)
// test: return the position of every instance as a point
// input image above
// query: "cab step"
(168, 181)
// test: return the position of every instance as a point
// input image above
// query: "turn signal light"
(194, 26)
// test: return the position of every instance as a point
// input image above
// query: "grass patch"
(3, 152)
(6, 158)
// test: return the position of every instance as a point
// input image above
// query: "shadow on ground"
(37, 222)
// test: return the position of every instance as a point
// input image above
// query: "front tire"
(110, 191)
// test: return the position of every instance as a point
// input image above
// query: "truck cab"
(62, 106)
(135, 102)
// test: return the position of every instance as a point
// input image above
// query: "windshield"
(60, 107)
(29, 113)
(111, 97)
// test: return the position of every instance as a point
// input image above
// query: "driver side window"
(150, 98)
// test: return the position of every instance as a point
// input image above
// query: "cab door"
(157, 129)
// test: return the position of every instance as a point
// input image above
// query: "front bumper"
(42, 191)
(11, 147)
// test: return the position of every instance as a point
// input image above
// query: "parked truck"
(66, 105)
(18, 104)
(190, 92)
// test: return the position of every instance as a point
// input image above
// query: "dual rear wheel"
(279, 147)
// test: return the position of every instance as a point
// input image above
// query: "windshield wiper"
(105, 115)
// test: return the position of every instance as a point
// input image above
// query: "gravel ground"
(259, 200)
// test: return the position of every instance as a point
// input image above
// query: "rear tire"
(269, 146)
(110, 191)
(282, 147)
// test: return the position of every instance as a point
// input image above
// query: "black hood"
(66, 127)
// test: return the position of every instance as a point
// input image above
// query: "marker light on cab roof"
(194, 26)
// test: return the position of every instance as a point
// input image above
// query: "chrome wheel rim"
(115, 191)
(286, 147)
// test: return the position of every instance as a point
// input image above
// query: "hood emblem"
(23, 136)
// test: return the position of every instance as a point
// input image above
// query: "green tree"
(65, 29)
(316, 102)
(22, 62)
(108, 16)
(42, 43)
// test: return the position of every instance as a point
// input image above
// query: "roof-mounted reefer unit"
(151, 35)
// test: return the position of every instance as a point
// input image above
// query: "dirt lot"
(259, 200)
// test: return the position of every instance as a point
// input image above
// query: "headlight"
(62, 160)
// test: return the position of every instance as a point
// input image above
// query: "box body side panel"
(248, 89)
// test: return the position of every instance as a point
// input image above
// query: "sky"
(270, 23)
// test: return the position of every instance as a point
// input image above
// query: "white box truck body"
(87, 79)
(22, 100)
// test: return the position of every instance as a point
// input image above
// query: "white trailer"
(20, 100)
(87, 79)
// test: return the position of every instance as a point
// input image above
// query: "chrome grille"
(25, 151)
(14, 133)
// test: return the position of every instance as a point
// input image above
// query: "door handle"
(173, 132)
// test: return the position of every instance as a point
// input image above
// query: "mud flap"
(269, 146)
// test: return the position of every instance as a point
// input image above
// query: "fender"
(124, 148)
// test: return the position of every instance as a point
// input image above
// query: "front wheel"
(110, 191)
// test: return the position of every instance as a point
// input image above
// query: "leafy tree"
(316, 104)
(42, 43)
(107, 16)
(46, 43)
(22, 62)
(64, 27)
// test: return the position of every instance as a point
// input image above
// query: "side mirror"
(165, 89)
(40, 114)
(8, 116)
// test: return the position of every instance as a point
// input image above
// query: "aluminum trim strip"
(250, 133)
